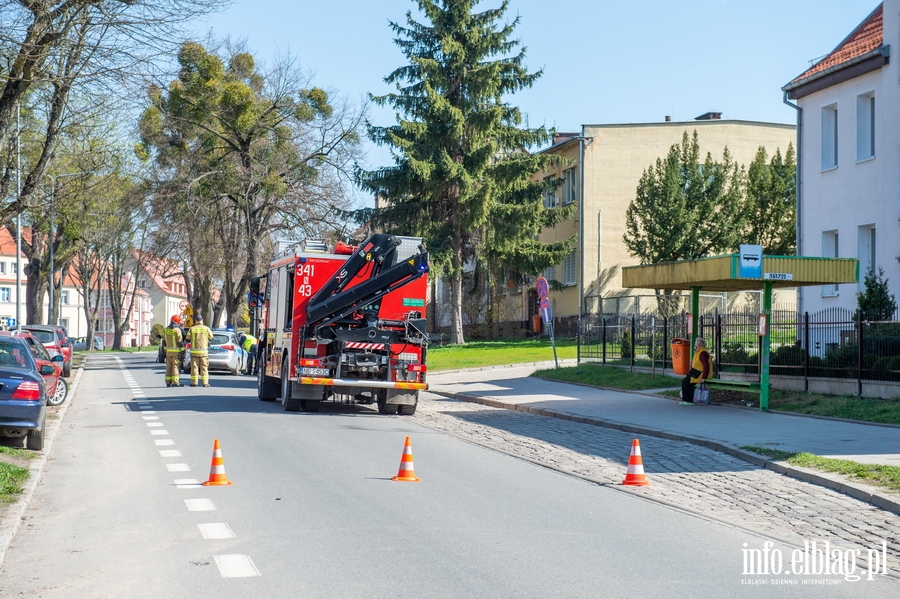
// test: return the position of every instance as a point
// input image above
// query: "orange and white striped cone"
(635, 474)
(217, 468)
(407, 473)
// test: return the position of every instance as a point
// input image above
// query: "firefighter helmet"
(176, 319)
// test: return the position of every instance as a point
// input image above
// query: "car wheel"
(61, 393)
(34, 440)
(67, 369)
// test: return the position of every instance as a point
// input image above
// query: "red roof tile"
(868, 36)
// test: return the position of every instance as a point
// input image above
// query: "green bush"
(627, 346)
(788, 355)
(156, 333)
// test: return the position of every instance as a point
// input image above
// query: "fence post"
(806, 346)
(633, 341)
(604, 341)
(859, 352)
(718, 341)
(665, 342)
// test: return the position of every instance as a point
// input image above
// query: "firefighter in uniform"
(174, 341)
(199, 337)
(249, 345)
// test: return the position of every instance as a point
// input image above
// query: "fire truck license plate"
(314, 371)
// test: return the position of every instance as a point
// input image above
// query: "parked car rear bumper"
(21, 415)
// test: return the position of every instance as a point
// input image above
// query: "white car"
(225, 353)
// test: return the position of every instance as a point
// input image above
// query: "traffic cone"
(217, 468)
(635, 474)
(407, 473)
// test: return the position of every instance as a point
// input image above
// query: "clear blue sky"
(603, 61)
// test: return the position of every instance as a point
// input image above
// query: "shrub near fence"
(830, 344)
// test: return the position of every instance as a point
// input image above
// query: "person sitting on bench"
(701, 369)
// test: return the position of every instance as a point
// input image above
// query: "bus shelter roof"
(722, 273)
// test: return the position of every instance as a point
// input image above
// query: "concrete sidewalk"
(726, 428)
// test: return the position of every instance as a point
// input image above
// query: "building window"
(570, 188)
(866, 253)
(14, 268)
(4, 294)
(550, 192)
(550, 273)
(830, 249)
(570, 270)
(829, 137)
(865, 126)
(2, 268)
(64, 298)
(64, 323)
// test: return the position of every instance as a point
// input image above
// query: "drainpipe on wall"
(799, 183)
(581, 147)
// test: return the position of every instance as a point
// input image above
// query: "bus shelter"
(745, 271)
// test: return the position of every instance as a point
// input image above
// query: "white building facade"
(849, 157)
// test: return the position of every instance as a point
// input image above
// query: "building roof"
(164, 272)
(865, 39)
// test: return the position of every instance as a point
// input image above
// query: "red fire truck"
(344, 323)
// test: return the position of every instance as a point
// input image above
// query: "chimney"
(668, 119)
(710, 116)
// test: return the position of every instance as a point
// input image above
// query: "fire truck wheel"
(288, 403)
(383, 406)
(266, 386)
(408, 410)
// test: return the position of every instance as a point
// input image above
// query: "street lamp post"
(52, 309)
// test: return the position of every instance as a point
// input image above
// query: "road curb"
(837, 483)
(8, 529)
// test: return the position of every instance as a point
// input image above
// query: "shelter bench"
(747, 386)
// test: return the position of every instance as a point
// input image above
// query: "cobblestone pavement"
(683, 475)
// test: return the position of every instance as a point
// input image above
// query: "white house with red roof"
(163, 280)
(71, 303)
(848, 201)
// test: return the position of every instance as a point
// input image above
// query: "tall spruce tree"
(771, 202)
(462, 177)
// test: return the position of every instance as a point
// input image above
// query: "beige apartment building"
(605, 164)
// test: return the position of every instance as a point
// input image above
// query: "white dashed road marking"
(216, 530)
(230, 565)
(236, 566)
(199, 505)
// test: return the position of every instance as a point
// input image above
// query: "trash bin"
(536, 323)
(681, 355)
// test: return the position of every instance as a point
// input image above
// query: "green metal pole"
(695, 312)
(767, 338)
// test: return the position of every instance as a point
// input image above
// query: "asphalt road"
(312, 511)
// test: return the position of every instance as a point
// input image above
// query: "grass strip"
(602, 376)
(11, 479)
(866, 409)
(477, 354)
(877, 475)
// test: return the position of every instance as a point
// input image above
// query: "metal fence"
(831, 344)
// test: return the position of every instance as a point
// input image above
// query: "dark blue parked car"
(23, 395)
